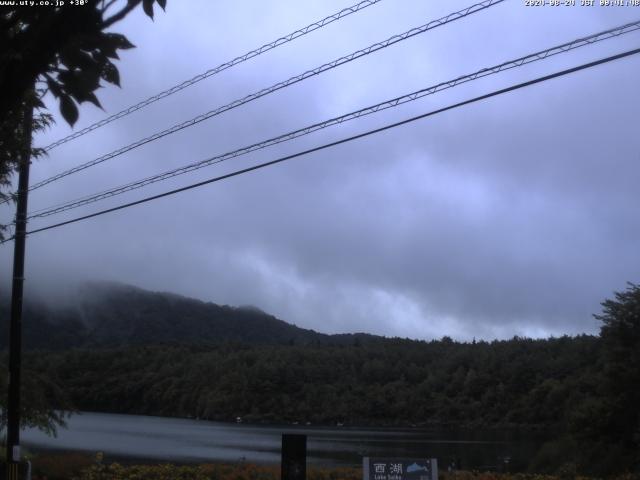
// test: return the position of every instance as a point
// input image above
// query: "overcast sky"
(514, 216)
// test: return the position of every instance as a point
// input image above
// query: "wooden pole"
(15, 328)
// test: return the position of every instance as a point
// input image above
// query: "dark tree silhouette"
(620, 333)
(65, 50)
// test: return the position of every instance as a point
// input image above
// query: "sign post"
(294, 457)
(399, 468)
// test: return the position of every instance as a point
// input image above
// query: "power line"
(580, 42)
(345, 140)
(278, 86)
(224, 66)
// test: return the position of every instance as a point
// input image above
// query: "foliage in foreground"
(253, 472)
(116, 471)
(83, 466)
(60, 50)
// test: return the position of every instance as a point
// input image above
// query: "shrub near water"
(116, 471)
(59, 466)
(254, 472)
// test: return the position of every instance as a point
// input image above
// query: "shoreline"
(408, 427)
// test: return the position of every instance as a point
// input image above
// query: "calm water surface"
(186, 440)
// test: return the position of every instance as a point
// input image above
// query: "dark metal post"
(15, 330)
(294, 457)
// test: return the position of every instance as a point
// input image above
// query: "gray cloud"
(513, 216)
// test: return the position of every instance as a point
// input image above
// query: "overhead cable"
(342, 141)
(533, 57)
(278, 86)
(224, 66)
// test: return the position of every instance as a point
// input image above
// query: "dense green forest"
(583, 392)
(554, 385)
(389, 382)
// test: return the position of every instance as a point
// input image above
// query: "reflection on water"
(196, 440)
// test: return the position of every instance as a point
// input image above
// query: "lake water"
(183, 440)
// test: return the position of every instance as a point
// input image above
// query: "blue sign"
(399, 468)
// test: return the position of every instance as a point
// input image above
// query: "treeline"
(554, 385)
(584, 391)
(519, 382)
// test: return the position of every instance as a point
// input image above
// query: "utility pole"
(15, 329)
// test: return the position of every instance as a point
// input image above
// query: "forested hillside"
(102, 314)
(393, 382)
(582, 391)
(548, 385)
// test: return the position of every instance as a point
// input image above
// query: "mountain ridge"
(110, 314)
